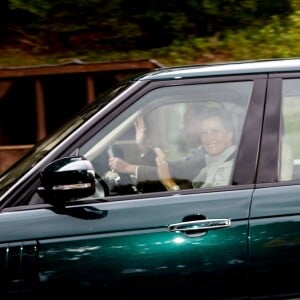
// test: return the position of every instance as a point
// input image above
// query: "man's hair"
(193, 110)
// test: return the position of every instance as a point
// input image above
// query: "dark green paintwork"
(157, 258)
(130, 242)
(274, 253)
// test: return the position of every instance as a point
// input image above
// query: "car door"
(134, 243)
(275, 212)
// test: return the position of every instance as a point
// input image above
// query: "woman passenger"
(216, 135)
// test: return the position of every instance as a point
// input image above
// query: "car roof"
(225, 68)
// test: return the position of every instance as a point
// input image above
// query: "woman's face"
(214, 137)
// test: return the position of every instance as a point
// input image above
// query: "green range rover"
(107, 206)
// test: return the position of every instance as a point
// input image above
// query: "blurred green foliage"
(181, 32)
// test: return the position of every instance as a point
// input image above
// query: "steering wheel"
(111, 183)
(119, 183)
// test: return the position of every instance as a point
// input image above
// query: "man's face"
(190, 129)
(214, 137)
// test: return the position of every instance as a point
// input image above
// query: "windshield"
(42, 148)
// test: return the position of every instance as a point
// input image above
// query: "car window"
(180, 121)
(45, 146)
(289, 166)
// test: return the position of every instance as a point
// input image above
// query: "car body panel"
(274, 249)
(119, 242)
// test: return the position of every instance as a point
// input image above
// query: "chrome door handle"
(200, 225)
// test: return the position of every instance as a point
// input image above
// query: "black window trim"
(248, 152)
(268, 163)
(269, 158)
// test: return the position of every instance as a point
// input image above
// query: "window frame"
(270, 155)
(244, 172)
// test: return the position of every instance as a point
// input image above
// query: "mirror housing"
(67, 179)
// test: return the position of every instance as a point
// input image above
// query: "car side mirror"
(67, 179)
